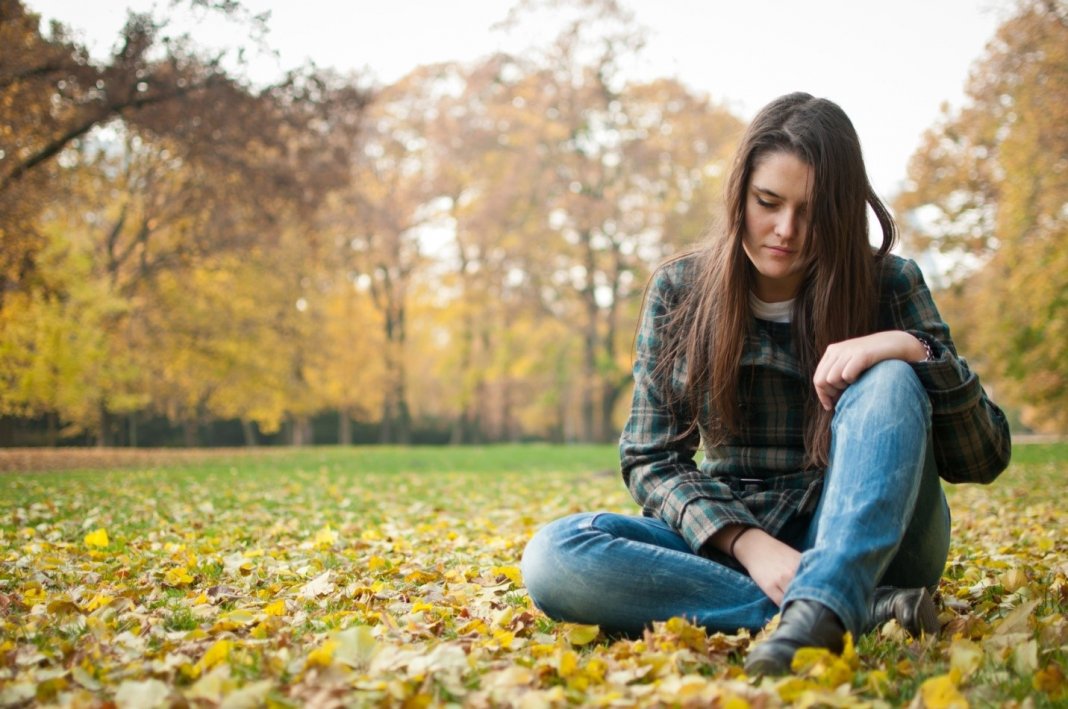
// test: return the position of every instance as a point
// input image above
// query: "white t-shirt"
(775, 312)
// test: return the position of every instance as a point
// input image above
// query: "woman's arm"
(844, 362)
(971, 435)
(772, 564)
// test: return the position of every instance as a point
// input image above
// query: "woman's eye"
(763, 202)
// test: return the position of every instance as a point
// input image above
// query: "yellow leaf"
(1017, 621)
(276, 608)
(321, 656)
(792, 688)
(1025, 657)
(807, 658)
(475, 625)
(376, 563)
(356, 646)
(510, 572)
(214, 655)
(964, 657)
(325, 536)
(941, 693)
(567, 663)
(733, 701)
(33, 596)
(849, 652)
(1050, 681)
(96, 538)
(98, 601)
(504, 617)
(420, 577)
(582, 634)
(595, 670)
(504, 638)
(542, 649)
(879, 681)
(237, 618)
(178, 576)
(1013, 580)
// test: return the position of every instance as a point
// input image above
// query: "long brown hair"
(838, 297)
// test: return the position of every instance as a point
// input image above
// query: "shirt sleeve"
(657, 461)
(970, 433)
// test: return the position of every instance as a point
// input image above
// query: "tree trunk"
(248, 431)
(610, 393)
(589, 353)
(301, 431)
(385, 430)
(458, 434)
(52, 432)
(190, 433)
(589, 377)
(131, 428)
(344, 426)
(103, 439)
(404, 417)
(509, 431)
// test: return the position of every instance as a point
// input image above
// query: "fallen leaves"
(96, 538)
(326, 584)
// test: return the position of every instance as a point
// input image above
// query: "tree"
(54, 95)
(989, 187)
(147, 175)
(627, 171)
(57, 356)
(378, 224)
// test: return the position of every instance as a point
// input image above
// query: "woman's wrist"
(725, 541)
(734, 541)
(928, 354)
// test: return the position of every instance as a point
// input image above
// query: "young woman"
(829, 397)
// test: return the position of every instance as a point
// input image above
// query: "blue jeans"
(882, 519)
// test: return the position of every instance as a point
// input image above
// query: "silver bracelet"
(926, 348)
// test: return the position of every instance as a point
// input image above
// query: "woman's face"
(776, 224)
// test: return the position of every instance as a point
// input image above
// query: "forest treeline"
(458, 256)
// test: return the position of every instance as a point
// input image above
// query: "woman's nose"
(785, 226)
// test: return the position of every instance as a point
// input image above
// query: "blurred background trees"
(989, 192)
(456, 257)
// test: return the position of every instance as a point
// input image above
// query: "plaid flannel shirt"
(758, 478)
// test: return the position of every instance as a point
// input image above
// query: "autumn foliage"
(989, 189)
(459, 255)
(464, 249)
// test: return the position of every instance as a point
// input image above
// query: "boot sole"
(924, 616)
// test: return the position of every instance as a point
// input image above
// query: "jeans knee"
(543, 557)
(891, 386)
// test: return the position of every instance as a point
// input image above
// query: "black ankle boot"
(803, 624)
(912, 608)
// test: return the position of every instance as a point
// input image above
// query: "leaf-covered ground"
(339, 577)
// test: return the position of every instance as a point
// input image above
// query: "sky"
(891, 64)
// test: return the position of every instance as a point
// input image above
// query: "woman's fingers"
(843, 363)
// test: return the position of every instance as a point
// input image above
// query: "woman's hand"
(844, 362)
(771, 563)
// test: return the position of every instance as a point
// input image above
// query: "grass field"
(377, 576)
